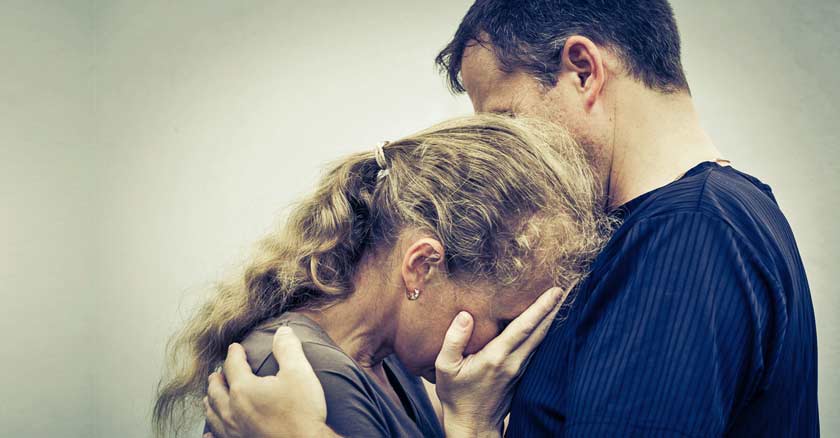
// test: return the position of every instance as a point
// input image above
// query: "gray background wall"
(145, 145)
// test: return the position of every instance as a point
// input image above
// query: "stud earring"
(413, 296)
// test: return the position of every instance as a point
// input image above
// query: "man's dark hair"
(529, 35)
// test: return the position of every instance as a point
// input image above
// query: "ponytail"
(311, 262)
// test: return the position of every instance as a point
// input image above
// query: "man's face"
(518, 93)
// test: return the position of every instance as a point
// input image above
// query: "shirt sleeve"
(350, 410)
(351, 407)
(671, 341)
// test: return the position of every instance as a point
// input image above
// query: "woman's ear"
(422, 260)
(585, 60)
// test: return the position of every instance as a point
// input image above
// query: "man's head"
(568, 61)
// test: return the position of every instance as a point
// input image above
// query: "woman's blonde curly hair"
(507, 198)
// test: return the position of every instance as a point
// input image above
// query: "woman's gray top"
(356, 405)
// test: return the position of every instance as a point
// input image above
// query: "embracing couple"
(578, 255)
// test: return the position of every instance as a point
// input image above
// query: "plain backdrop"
(145, 145)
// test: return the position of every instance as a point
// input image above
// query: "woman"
(480, 214)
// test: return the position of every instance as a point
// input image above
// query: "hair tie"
(379, 154)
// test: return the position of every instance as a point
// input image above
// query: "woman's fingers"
(455, 342)
(476, 391)
(527, 347)
(288, 351)
(236, 366)
(526, 324)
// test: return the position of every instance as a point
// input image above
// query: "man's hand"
(290, 404)
(475, 391)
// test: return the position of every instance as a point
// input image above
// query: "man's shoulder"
(713, 210)
(732, 203)
(720, 192)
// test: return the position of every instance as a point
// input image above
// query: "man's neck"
(657, 139)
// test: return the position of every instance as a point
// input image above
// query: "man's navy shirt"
(695, 321)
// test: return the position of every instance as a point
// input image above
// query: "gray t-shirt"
(356, 405)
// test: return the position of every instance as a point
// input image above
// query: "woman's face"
(424, 322)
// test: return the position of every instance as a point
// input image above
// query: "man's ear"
(585, 60)
(423, 258)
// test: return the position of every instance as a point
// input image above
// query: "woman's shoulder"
(320, 350)
(353, 406)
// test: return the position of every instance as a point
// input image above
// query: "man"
(697, 318)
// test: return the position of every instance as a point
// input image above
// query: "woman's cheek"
(418, 358)
(482, 334)
(425, 351)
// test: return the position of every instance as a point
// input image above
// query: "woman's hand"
(290, 404)
(475, 391)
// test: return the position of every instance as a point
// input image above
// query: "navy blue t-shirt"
(696, 321)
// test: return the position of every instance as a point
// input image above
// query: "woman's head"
(480, 214)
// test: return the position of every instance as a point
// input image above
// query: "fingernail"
(463, 319)
(284, 330)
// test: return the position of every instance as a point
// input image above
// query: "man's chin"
(429, 375)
